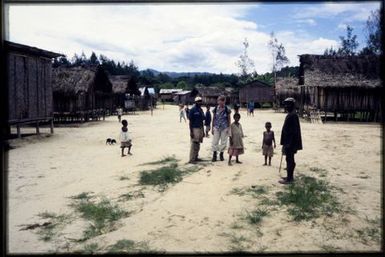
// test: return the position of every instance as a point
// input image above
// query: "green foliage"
(102, 215)
(82, 196)
(245, 64)
(161, 176)
(90, 248)
(128, 246)
(52, 226)
(308, 198)
(349, 43)
(165, 160)
(255, 217)
(131, 195)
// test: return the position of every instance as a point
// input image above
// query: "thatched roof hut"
(72, 81)
(119, 83)
(287, 87)
(341, 84)
(79, 89)
(28, 72)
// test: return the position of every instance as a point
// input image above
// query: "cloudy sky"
(188, 37)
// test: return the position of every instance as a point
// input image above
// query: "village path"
(201, 213)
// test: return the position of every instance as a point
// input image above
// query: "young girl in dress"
(236, 142)
(125, 140)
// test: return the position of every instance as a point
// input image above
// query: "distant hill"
(176, 74)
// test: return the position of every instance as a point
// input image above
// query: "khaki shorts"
(198, 135)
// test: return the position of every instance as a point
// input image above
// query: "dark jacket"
(196, 117)
(208, 118)
(291, 133)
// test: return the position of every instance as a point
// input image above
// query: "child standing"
(207, 120)
(182, 114)
(120, 112)
(125, 140)
(267, 143)
(236, 142)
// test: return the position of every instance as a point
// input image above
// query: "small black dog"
(110, 141)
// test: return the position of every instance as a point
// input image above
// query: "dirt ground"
(201, 213)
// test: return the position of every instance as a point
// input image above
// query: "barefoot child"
(267, 143)
(236, 142)
(125, 140)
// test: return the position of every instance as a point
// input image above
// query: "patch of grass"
(128, 246)
(161, 176)
(237, 243)
(237, 191)
(82, 196)
(165, 160)
(255, 217)
(90, 248)
(329, 248)
(236, 226)
(124, 178)
(131, 195)
(102, 216)
(268, 202)
(308, 198)
(321, 172)
(53, 226)
(370, 233)
(258, 190)
(254, 191)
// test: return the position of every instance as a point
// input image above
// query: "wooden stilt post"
(335, 115)
(18, 130)
(51, 125)
(37, 128)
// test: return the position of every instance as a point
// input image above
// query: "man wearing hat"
(291, 140)
(196, 117)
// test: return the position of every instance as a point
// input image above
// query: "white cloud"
(164, 37)
(353, 11)
(310, 22)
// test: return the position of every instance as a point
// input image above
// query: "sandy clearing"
(199, 213)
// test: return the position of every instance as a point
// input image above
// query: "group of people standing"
(222, 129)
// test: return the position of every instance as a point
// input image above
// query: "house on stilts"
(81, 93)
(347, 88)
(28, 72)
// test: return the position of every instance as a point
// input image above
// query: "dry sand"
(198, 214)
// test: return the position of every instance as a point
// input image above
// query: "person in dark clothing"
(196, 118)
(207, 120)
(291, 140)
(236, 108)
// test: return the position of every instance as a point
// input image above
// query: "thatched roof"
(288, 82)
(72, 80)
(212, 91)
(119, 83)
(349, 71)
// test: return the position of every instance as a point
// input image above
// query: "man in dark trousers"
(291, 140)
(196, 117)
